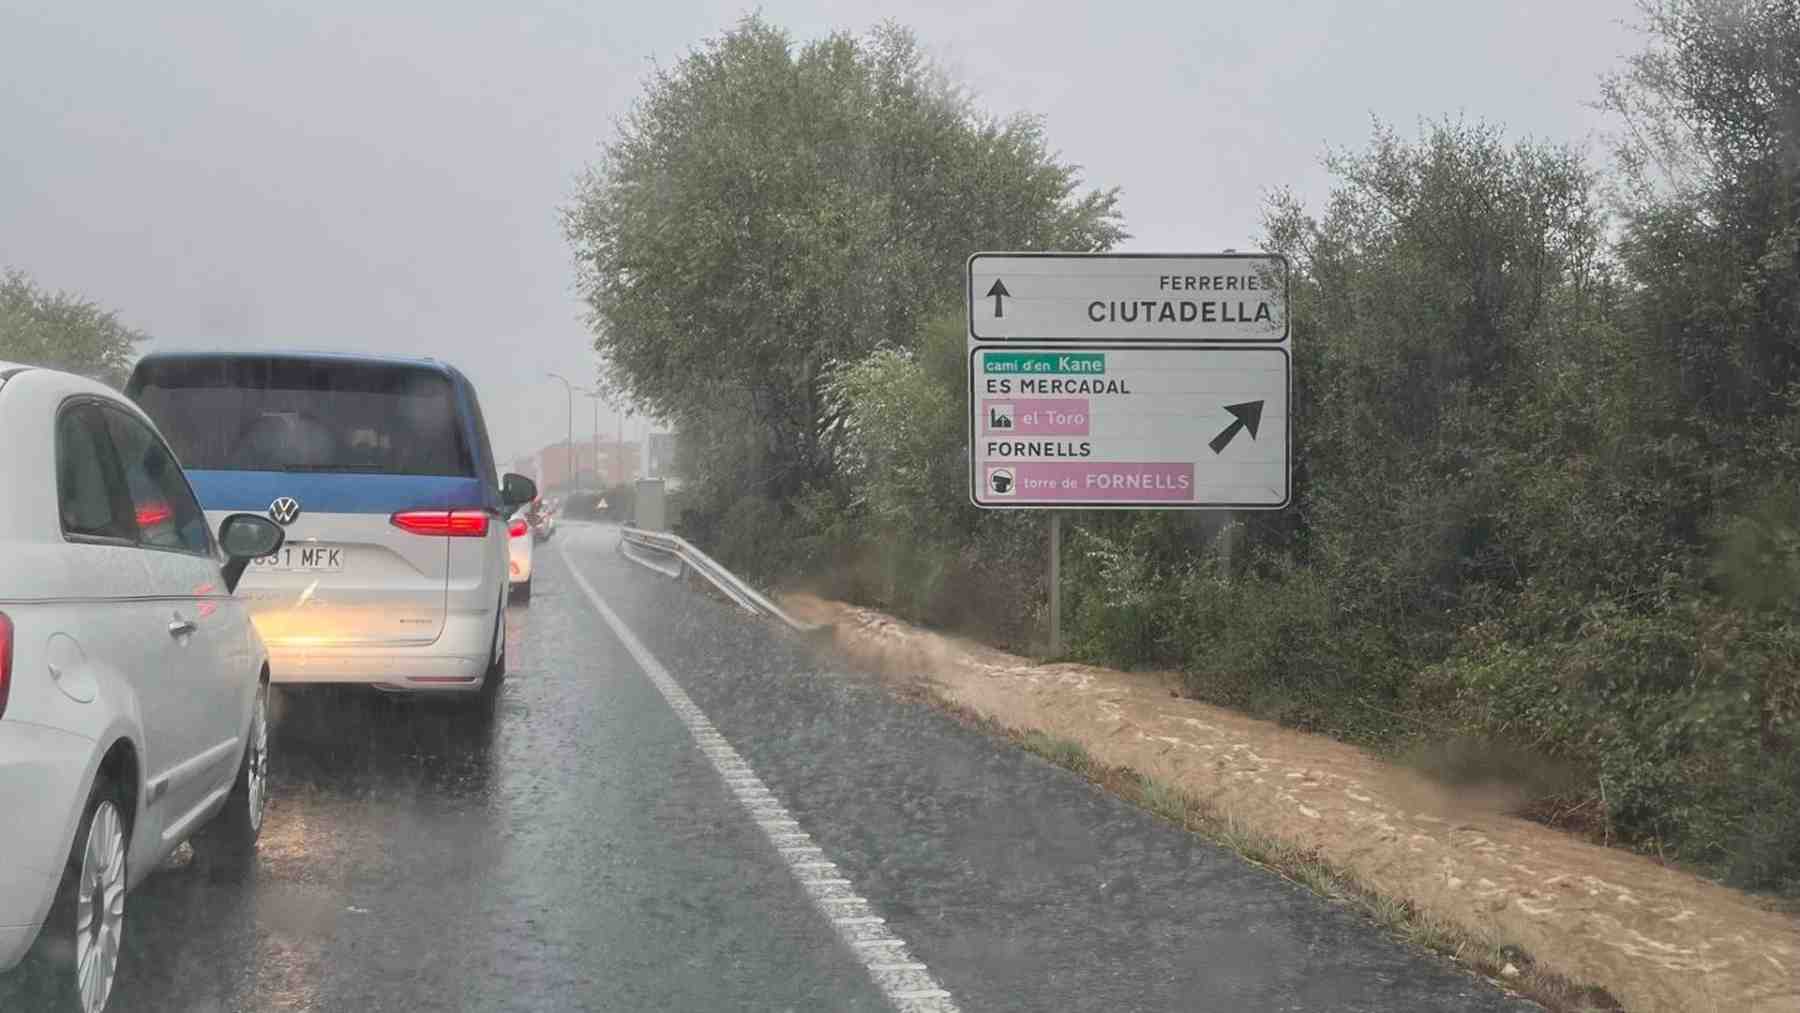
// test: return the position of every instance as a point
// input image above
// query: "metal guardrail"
(692, 560)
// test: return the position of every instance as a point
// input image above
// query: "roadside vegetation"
(1547, 524)
(63, 331)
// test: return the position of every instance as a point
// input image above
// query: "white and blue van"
(394, 570)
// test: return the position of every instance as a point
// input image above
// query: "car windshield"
(276, 414)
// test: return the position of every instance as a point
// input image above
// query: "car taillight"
(443, 523)
(6, 639)
(516, 529)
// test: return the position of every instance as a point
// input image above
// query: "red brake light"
(443, 523)
(516, 529)
(152, 514)
(6, 639)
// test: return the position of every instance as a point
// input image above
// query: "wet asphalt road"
(578, 851)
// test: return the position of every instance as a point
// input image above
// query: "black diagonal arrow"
(997, 292)
(1249, 416)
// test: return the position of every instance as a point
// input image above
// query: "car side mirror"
(244, 537)
(516, 490)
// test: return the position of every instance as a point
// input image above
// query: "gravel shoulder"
(1655, 937)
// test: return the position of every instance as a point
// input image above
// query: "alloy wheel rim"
(257, 771)
(100, 907)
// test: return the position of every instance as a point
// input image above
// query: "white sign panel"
(1106, 297)
(1129, 426)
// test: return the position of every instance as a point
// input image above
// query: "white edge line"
(868, 938)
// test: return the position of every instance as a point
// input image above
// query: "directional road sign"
(1092, 297)
(1128, 382)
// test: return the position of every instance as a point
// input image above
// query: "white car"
(133, 685)
(519, 541)
(545, 526)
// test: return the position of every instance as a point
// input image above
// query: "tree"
(63, 331)
(1711, 164)
(1446, 279)
(770, 213)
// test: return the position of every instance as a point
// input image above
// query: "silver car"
(394, 573)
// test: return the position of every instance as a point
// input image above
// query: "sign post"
(1127, 382)
(1056, 641)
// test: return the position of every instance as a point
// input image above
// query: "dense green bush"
(1682, 718)
(896, 530)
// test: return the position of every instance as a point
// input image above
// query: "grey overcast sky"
(385, 175)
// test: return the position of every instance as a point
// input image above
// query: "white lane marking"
(906, 982)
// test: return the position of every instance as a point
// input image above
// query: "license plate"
(306, 558)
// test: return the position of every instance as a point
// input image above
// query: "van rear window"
(296, 414)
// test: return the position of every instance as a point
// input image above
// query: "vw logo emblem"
(285, 510)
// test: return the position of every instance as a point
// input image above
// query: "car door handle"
(179, 627)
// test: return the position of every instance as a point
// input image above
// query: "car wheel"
(521, 592)
(79, 947)
(495, 679)
(229, 841)
(497, 667)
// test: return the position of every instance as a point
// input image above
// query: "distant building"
(602, 465)
(618, 462)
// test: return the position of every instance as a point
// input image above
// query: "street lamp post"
(594, 396)
(569, 442)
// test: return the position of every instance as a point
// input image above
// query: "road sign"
(1130, 426)
(1111, 297)
(1126, 381)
